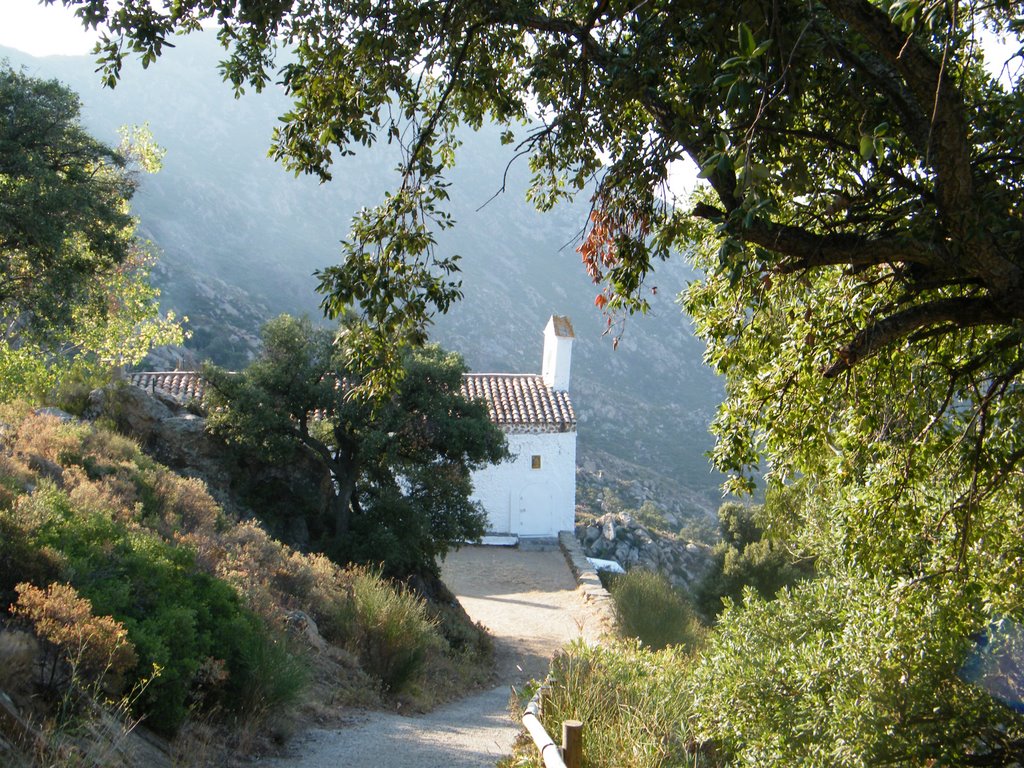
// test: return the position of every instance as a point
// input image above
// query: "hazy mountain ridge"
(241, 237)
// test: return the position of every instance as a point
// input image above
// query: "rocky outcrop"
(165, 430)
(619, 537)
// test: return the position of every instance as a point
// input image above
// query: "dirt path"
(529, 602)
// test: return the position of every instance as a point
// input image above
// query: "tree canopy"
(74, 290)
(860, 232)
(64, 216)
(860, 228)
(851, 148)
(399, 468)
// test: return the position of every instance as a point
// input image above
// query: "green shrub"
(853, 670)
(173, 504)
(392, 632)
(180, 619)
(649, 608)
(634, 704)
(270, 676)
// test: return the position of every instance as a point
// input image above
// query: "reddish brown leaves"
(598, 248)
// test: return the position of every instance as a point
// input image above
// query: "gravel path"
(529, 602)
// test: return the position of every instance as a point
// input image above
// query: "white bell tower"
(558, 339)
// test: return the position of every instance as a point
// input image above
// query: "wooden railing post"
(572, 743)
(570, 753)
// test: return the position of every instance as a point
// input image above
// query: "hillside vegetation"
(240, 237)
(128, 595)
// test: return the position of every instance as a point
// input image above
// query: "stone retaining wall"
(586, 577)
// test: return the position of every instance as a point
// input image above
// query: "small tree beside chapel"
(399, 465)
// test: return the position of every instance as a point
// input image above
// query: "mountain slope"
(241, 237)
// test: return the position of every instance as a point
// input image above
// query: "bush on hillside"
(85, 506)
(392, 632)
(633, 701)
(78, 644)
(270, 676)
(178, 617)
(203, 597)
(649, 608)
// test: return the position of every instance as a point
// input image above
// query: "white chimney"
(558, 338)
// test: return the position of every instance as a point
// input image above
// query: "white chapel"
(533, 494)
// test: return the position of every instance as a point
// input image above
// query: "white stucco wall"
(527, 501)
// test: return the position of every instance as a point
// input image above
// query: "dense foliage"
(400, 467)
(851, 670)
(746, 558)
(860, 233)
(74, 293)
(65, 217)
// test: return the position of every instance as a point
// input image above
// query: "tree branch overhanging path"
(854, 145)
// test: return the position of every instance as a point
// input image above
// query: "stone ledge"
(587, 580)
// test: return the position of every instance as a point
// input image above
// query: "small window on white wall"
(535, 462)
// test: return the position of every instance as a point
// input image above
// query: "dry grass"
(633, 702)
(102, 473)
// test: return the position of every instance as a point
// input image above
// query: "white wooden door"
(535, 510)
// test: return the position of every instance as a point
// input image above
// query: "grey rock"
(619, 537)
(132, 409)
(63, 416)
(301, 624)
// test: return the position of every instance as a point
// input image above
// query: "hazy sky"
(42, 30)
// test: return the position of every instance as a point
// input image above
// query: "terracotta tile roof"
(521, 402)
(183, 386)
(516, 402)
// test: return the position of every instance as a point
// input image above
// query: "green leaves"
(399, 461)
(867, 147)
(742, 72)
(874, 143)
(393, 277)
(847, 670)
(74, 280)
(745, 39)
(65, 200)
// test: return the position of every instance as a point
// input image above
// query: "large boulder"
(133, 410)
(619, 537)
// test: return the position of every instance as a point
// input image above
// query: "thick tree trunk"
(344, 477)
(344, 471)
